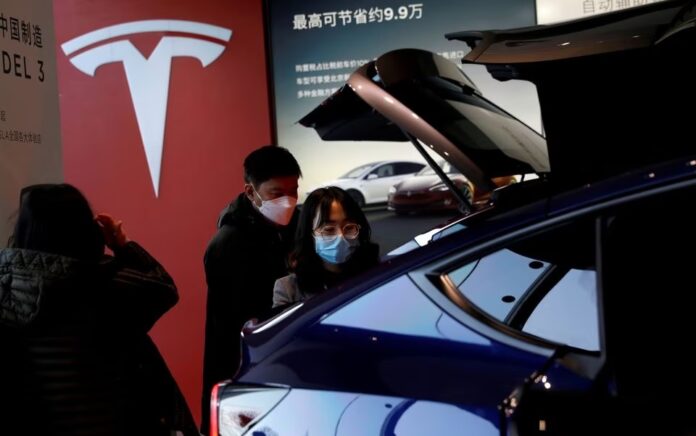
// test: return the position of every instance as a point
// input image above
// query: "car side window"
(384, 171)
(544, 286)
(568, 314)
(496, 282)
(407, 168)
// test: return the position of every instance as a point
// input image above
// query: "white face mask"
(279, 210)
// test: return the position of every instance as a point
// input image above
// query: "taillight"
(214, 403)
(235, 409)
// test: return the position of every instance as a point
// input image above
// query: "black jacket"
(76, 358)
(243, 260)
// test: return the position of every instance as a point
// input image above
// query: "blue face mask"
(335, 251)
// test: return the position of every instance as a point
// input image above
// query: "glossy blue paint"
(379, 335)
(312, 412)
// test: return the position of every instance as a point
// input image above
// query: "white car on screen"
(370, 183)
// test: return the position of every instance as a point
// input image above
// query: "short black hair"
(268, 162)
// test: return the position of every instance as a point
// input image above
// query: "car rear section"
(479, 330)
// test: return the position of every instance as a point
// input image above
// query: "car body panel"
(429, 97)
(311, 412)
(411, 90)
(405, 334)
(616, 30)
(315, 347)
(598, 80)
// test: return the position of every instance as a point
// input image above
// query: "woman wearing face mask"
(332, 244)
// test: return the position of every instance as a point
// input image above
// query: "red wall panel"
(215, 116)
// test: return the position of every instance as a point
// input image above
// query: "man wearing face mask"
(247, 254)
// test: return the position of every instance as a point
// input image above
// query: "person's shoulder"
(286, 283)
(226, 237)
(235, 212)
(285, 291)
(233, 222)
(229, 238)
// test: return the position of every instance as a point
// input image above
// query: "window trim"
(476, 319)
(531, 298)
(432, 278)
(439, 279)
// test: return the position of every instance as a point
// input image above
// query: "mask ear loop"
(256, 193)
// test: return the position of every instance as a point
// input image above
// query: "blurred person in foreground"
(77, 358)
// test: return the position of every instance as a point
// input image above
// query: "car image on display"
(370, 183)
(425, 192)
(563, 307)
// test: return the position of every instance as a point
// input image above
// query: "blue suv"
(564, 307)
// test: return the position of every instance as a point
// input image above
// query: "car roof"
(382, 162)
(404, 161)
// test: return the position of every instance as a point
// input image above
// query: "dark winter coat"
(243, 260)
(76, 357)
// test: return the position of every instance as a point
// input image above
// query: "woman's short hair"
(57, 219)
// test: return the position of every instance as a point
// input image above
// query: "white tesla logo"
(148, 79)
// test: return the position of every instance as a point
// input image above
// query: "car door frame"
(430, 279)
